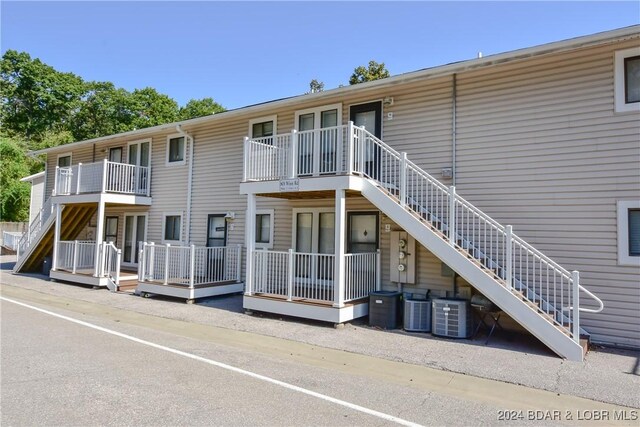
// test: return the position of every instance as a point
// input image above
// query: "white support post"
(575, 276)
(340, 227)
(104, 175)
(78, 179)
(378, 271)
(98, 238)
(192, 266)
(452, 215)
(339, 149)
(290, 276)
(403, 179)
(75, 256)
(245, 168)
(166, 263)
(117, 267)
(55, 181)
(250, 241)
(509, 255)
(238, 264)
(293, 155)
(350, 148)
(56, 237)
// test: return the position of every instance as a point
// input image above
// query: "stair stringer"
(34, 244)
(554, 338)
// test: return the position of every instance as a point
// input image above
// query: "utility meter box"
(403, 258)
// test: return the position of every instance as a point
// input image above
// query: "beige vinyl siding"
(540, 147)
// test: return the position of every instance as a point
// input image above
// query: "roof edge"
(439, 70)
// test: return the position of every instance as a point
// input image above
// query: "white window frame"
(184, 154)
(317, 116)
(273, 119)
(139, 143)
(620, 105)
(164, 226)
(269, 244)
(68, 154)
(624, 258)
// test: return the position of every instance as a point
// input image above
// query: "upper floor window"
(629, 232)
(175, 150)
(627, 80)
(64, 160)
(263, 127)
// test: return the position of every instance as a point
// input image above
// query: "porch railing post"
(575, 276)
(315, 161)
(166, 263)
(350, 148)
(78, 179)
(293, 154)
(141, 263)
(452, 215)
(117, 267)
(55, 181)
(152, 265)
(104, 175)
(403, 179)
(75, 256)
(509, 255)
(361, 148)
(245, 168)
(192, 266)
(378, 271)
(238, 265)
(290, 276)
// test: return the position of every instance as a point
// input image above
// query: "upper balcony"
(280, 165)
(121, 182)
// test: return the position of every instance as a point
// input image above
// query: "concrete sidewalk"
(611, 376)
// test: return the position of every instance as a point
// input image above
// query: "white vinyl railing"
(110, 258)
(76, 255)
(11, 239)
(189, 265)
(35, 227)
(311, 276)
(101, 177)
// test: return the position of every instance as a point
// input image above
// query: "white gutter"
(191, 141)
(438, 71)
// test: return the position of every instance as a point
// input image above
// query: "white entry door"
(140, 155)
(319, 140)
(135, 232)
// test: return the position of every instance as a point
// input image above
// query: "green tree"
(14, 195)
(151, 108)
(316, 86)
(35, 97)
(199, 108)
(374, 71)
(104, 110)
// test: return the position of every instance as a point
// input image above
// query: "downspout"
(453, 130)
(189, 139)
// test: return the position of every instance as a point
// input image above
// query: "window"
(111, 229)
(264, 229)
(175, 150)
(627, 80)
(64, 160)
(263, 127)
(629, 232)
(362, 232)
(172, 227)
(115, 154)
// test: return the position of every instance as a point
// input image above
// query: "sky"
(242, 53)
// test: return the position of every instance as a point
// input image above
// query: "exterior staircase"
(527, 285)
(37, 243)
